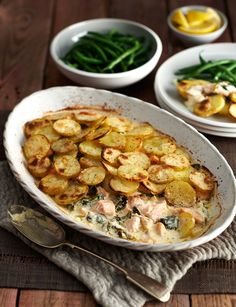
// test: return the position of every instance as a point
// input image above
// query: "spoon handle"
(146, 283)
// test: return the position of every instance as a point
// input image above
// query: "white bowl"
(197, 39)
(36, 104)
(65, 39)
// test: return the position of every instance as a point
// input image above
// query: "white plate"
(36, 104)
(165, 76)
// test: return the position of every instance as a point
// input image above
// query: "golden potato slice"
(32, 125)
(53, 184)
(91, 148)
(155, 188)
(110, 168)
(133, 143)
(180, 193)
(81, 136)
(175, 160)
(63, 146)
(139, 159)
(161, 173)
(232, 110)
(141, 130)
(132, 172)
(111, 155)
(210, 106)
(187, 223)
(183, 152)
(119, 124)
(202, 180)
(92, 175)
(87, 116)
(159, 145)
(154, 159)
(97, 133)
(48, 131)
(36, 145)
(88, 162)
(183, 174)
(67, 166)
(67, 127)
(184, 85)
(232, 96)
(123, 185)
(38, 166)
(113, 139)
(72, 193)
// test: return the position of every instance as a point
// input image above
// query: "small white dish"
(37, 104)
(165, 78)
(197, 39)
(66, 38)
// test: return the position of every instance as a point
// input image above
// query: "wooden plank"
(39, 298)
(176, 300)
(25, 27)
(215, 300)
(66, 15)
(8, 297)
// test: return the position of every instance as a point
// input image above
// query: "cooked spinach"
(170, 222)
(121, 202)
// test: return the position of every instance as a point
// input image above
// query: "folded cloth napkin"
(108, 287)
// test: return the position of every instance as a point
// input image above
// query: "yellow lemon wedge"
(179, 19)
(214, 15)
(202, 28)
(195, 17)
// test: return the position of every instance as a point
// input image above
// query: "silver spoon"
(45, 232)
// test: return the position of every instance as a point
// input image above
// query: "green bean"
(86, 59)
(105, 41)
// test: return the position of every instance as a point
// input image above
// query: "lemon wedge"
(179, 19)
(195, 17)
(202, 28)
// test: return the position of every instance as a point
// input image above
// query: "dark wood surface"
(26, 30)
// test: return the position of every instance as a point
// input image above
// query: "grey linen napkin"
(108, 287)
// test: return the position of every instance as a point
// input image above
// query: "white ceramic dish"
(165, 76)
(36, 104)
(64, 40)
(197, 39)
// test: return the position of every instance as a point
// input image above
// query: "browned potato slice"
(132, 172)
(135, 158)
(154, 159)
(155, 188)
(232, 97)
(119, 124)
(123, 186)
(182, 152)
(175, 160)
(92, 175)
(111, 155)
(91, 148)
(161, 173)
(110, 168)
(67, 127)
(81, 136)
(202, 180)
(210, 106)
(159, 145)
(36, 145)
(97, 133)
(48, 131)
(184, 85)
(180, 193)
(87, 116)
(63, 145)
(133, 143)
(88, 162)
(67, 166)
(39, 166)
(183, 174)
(113, 139)
(31, 126)
(53, 184)
(141, 130)
(232, 110)
(73, 193)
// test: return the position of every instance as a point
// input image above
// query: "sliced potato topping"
(91, 148)
(187, 223)
(124, 186)
(71, 194)
(48, 131)
(39, 166)
(135, 158)
(111, 155)
(53, 184)
(97, 133)
(180, 193)
(202, 180)
(67, 166)
(155, 188)
(88, 162)
(92, 175)
(67, 127)
(175, 160)
(33, 125)
(141, 130)
(159, 145)
(113, 139)
(86, 116)
(210, 106)
(119, 124)
(110, 168)
(36, 145)
(133, 143)
(161, 173)
(63, 145)
(132, 172)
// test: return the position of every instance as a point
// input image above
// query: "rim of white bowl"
(155, 57)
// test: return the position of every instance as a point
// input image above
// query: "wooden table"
(26, 30)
